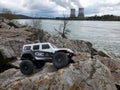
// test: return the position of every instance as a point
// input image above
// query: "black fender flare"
(29, 56)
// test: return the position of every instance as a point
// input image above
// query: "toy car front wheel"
(26, 67)
(60, 60)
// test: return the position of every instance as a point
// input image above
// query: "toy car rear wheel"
(60, 60)
(26, 67)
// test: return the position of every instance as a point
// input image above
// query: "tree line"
(98, 18)
(8, 14)
(104, 18)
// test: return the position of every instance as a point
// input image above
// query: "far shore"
(70, 19)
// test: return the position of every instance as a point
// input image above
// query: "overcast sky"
(55, 8)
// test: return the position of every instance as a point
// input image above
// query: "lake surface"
(102, 34)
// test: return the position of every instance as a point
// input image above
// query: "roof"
(37, 44)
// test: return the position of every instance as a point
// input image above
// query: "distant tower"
(81, 12)
(72, 13)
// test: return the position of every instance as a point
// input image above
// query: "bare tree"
(8, 14)
(36, 23)
(37, 29)
(63, 29)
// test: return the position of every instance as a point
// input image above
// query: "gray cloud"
(68, 3)
(58, 7)
(102, 7)
(77, 2)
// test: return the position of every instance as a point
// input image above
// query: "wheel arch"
(69, 55)
(27, 56)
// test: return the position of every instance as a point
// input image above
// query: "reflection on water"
(103, 34)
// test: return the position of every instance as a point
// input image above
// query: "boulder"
(5, 25)
(92, 70)
(113, 63)
(15, 24)
(11, 24)
(6, 55)
(103, 53)
(84, 74)
(75, 45)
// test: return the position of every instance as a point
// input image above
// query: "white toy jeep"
(39, 53)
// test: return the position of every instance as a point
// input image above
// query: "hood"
(67, 49)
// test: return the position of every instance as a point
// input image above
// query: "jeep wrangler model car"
(39, 53)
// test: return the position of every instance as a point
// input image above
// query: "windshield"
(53, 46)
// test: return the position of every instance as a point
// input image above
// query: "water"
(102, 34)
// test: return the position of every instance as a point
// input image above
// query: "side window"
(27, 47)
(45, 46)
(36, 47)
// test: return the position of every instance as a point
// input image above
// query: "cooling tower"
(72, 14)
(81, 12)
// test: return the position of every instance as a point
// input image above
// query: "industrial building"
(72, 14)
(80, 13)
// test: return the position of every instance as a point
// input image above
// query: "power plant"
(72, 14)
(80, 13)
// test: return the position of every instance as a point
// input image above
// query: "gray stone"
(84, 74)
(6, 55)
(4, 25)
(101, 72)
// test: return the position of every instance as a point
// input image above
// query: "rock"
(4, 25)
(7, 66)
(92, 70)
(103, 53)
(113, 64)
(15, 24)
(15, 45)
(16, 63)
(0, 19)
(12, 25)
(6, 55)
(118, 87)
(7, 24)
(18, 37)
(75, 45)
(14, 38)
(5, 21)
(93, 52)
(84, 74)
(7, 74)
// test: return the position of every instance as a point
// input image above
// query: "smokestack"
(72, 14)
(81, 12)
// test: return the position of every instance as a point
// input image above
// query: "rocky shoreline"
(92, 70)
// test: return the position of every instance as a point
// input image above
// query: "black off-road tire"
(26, 67)
(60, 60)
(39, 64)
